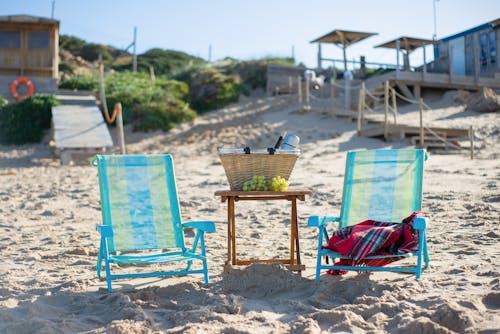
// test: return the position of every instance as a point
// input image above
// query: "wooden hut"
(29, 55)
(473, 52)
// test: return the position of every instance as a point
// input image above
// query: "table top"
(240, 193)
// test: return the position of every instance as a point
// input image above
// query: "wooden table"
(291, 195)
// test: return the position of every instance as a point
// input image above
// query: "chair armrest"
(106, 231)
(317, 221)
(420, 223)
(205, 226)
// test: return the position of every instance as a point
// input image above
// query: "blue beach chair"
(381, 185)
(141, 217)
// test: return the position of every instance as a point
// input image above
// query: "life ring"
(21, 81)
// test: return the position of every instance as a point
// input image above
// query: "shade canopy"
(343, 38)
(406, 43)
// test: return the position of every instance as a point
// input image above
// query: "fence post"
(102, 94)
(420, 110)
(119, 125)
(307, 107)
(394, 106)
(363, 101)
(471, 137)
(332, 96)
(386, 102)
(361, 105)
(299, 92)
(152, 73)
(347, 90)
(290, 85)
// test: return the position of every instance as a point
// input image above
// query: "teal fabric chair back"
(139, 200)
(383, 185)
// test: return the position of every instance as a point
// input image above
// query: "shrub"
(71, 43)
(91, 51)
(253, 73)
(164, 62)
(81, 82)
(150, 105)
(67, 67)
(24, 121)
(211, 90)
(163, 116)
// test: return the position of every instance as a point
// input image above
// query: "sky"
(215, 29)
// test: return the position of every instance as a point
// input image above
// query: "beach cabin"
(29, 55)
(473, 52)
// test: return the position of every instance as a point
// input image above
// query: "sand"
(48, 241)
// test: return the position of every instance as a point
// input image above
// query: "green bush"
(71, 43)
(162, 116)
(164, 62)
(253, 73)
(211, 90)
(81, 82)
(67, 67)
(25, 121)
(149, 105)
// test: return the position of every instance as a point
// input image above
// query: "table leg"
(295, 234)
(230, 205)
(233, 231)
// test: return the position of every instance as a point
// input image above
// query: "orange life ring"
(21, 81)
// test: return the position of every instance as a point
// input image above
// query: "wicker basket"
(242, 167)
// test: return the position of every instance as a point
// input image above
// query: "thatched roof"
(343, 38)
(406, 43)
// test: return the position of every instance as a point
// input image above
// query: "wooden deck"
(78, 127)
(449, 138)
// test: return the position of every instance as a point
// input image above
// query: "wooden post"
(360, 107)
(332, 96)
(347, 90)
(363, 101)
(420, 110)
(471, 137)
(299, 92)
(397, 58)
(394, 106)
(308, 101)
(425, 64)
(119, 125)
(152, 73)
(290, 85)
(386, 102)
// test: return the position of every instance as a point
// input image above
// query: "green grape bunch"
(278, 183)
(257, 183)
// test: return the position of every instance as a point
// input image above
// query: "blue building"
(473, 52)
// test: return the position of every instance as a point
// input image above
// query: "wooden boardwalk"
(78, 127)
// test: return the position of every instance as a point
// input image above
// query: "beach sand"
(48, 240)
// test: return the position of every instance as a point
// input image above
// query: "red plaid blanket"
(372, 237)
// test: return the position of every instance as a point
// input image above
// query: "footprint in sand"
(492, 300)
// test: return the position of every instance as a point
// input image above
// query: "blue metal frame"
(420, 224)
(182, 254)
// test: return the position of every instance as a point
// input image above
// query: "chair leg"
(205, 271)
(318, 268)
(426, 256)
(188, 266)
(108, 275)
(99, 263)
